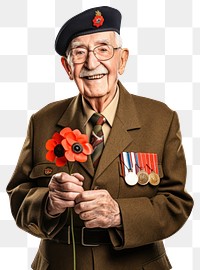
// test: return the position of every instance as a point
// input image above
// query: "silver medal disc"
(131, 178)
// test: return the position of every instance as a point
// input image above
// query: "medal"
(131, 178)
(154, 179)
(128, 162)
(143, 177)
(141, 168)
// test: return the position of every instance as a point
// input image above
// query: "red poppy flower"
(56, 151)
(76, 145)
(98, 19)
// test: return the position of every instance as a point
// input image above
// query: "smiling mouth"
(95, 77)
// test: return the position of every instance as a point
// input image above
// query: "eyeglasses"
(102, 53)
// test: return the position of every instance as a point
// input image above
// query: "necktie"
(97, 137)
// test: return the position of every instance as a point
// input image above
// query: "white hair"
(118, 41)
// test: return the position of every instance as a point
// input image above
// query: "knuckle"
(81, 189)
(103, 223)
(102, 206)
(61, 176)
(68, 186)
(84, 195)
(88, 224)
(103, 192)
(70, 196)
(83, 216)
(81, 206)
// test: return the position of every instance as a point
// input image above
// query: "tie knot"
(97, 119)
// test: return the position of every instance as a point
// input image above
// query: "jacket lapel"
(126, 119)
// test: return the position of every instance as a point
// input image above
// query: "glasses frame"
(88, 51)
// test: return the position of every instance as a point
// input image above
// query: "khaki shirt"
(108, 113)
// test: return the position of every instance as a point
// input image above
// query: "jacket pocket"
(44, 170)
(160, 263)
(42, 173)
(40, 263)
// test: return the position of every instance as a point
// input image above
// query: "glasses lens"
(78, 55)
(103, 52)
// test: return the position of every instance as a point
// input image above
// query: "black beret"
(90, 21)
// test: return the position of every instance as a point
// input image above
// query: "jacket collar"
(126, 119)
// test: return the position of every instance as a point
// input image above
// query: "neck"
(100, 103)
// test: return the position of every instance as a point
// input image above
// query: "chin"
(95, 93)
(94, 96)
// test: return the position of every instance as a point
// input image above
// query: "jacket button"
(48, 171)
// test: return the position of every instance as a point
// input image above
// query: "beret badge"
(98, 19)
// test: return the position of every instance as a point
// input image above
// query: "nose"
(91, 62)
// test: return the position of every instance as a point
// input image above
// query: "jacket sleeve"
(27, 199)
(146, 220)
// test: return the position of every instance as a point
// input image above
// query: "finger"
(91, 224)
(63, 177)
(59, 180)
(88, 215)
(83, 206)
(78, 176)
(85, 196)
(66, 187)
(90, 195)
(99, 221)
(64, 196)
(69, 187)
(94, 223)
(57, 206)
(60, 205)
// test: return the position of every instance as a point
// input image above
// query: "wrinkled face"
(95, 78)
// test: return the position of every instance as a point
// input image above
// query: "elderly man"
(129, 195)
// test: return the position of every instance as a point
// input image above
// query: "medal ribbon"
(128, 162)
(132, 162)
(142, 161)
(155, 163)
(137, 168)
(139, 161)
(125, 163)
(152, 164)
(122, 164)
(147, 162)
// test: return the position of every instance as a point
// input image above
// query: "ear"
(67, 67)
(123, 60)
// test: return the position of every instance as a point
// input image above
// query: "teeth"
(95, 77)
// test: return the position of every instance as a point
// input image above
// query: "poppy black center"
(59, 150)
(77, 148)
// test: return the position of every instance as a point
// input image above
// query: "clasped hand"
(95, 207)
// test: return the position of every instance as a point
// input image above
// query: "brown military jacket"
(149, 213)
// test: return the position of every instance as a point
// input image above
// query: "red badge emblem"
(98, 19)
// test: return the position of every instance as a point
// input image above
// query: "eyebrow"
(76, 44)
